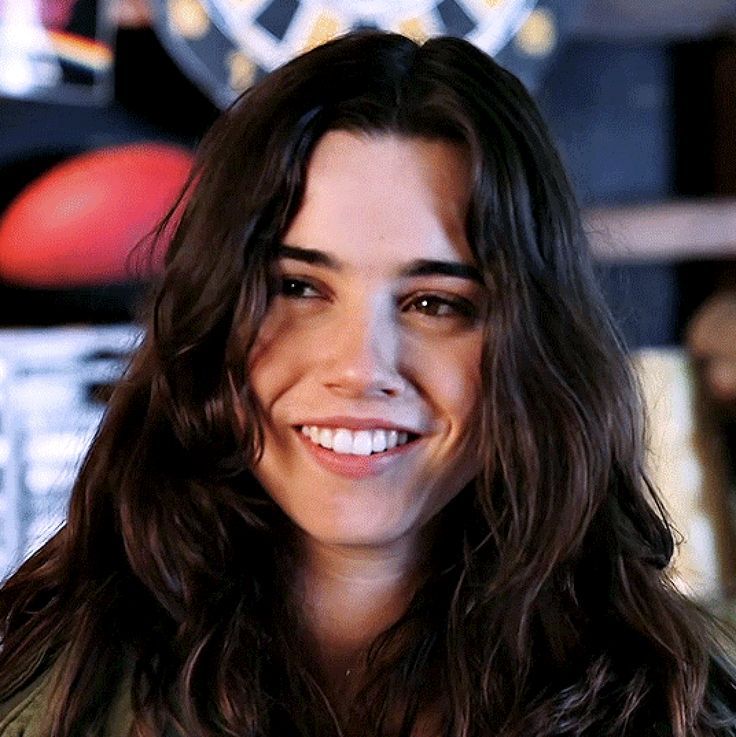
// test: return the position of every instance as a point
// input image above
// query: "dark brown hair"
(548, 611)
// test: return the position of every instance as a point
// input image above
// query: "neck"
(351, 595)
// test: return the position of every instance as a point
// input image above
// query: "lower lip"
(355, 466)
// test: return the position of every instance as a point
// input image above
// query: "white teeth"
(363, 443)
(325, 437)
(379, 441)
(359, 442)
(342, 441)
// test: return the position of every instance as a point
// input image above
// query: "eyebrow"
(418, 267)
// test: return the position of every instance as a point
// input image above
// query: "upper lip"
(359, 423)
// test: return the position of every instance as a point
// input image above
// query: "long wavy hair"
(548, 610)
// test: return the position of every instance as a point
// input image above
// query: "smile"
(342, 441)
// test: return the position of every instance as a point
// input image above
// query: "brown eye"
(297, 289)
(433, 305)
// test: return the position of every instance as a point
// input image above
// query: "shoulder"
(24, 713)
(21, 715)
(720, 692)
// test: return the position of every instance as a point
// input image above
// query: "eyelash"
(459, 306)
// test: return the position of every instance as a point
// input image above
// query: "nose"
(364, 354)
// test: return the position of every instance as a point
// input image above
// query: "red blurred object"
(77, 224)
(57, 13)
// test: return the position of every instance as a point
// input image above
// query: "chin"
(361, 528)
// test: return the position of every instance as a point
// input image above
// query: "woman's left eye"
(297, 288)
(434, 305)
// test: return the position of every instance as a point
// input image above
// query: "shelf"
(668, 231)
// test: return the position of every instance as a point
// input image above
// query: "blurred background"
(103, 101)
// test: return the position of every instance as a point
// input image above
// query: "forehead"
(385, 199)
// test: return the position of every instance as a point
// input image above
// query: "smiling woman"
(356, 327)
(376, 469)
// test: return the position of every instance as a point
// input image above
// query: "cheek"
(453, 384)
(273, 364)
(458, 396)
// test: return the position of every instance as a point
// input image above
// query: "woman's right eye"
(293, 288)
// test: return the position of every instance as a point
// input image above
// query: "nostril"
(354, 383)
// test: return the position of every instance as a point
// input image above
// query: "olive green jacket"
(23, 714)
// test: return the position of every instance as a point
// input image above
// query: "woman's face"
(368, 361)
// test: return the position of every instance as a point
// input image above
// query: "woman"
(377, 467)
